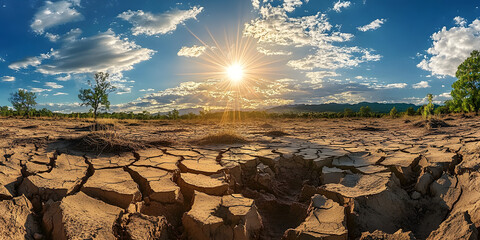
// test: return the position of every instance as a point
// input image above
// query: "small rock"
(416, 195)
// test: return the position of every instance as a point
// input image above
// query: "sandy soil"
(292, 179)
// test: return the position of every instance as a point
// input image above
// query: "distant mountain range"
(336, 107)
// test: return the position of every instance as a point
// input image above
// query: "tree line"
(465, 99)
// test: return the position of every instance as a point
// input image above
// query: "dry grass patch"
(225, 137)
(106, 142)
(109, 141)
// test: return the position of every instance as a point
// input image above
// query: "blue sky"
(322, 51)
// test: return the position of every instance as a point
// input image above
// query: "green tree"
(441, 110)
(97, 95)
(365, 111)
(428, 109)
(347, 112)
(174, 114)
(410, 111)
(466, 90)
(394, 112)
(23, 101)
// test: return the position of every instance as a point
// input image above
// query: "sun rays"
(237, 66)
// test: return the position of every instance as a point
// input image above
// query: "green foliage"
(173, 115)
(428, 109)
(364, 111)
(410, 111)
(97, 95)
(466, 90)
(441, 110)
(23, 101)
(393, 113)
(347, 112)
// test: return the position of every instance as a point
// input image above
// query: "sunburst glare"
(235, 72)
(239, 68)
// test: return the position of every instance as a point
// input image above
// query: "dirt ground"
(353, 178)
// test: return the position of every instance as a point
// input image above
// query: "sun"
(235, 72)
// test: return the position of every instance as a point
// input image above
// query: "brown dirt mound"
(266, 125)
(171, 131)
(221, 138)
(276, 133)
(431, 124)
(370, 129)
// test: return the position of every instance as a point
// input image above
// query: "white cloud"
(54, 14)
(450, 48)
(444, 96)
(275, 28)
(60, 93)
(153, 24)
(389, 86)
(290, 5)
(65, 78)
(270, 52)
(344, 97)
(104, 52)
(256, 4)
(193, 51)
(52, 37)
(460, 21)
(375, 24)
(421, 84)
(40, 90)
(337, 7)
(53, 85)
(334, 58)
(317, 78)
(147, 90)
(25, 63)
(8, 79)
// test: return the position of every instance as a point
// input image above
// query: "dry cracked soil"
(312, 179)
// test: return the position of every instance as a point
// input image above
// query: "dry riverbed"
(290, 179)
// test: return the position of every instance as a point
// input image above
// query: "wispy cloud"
(275, 28)
(102, 52)
(53, 85)
(421, 84)
(54, 14)
(271, 52)
(193, 51)
(155, 24)
(8, 79)
(147, 90)
(337, 7)
(375, 24)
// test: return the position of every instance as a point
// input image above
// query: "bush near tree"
(428, 109)
(23, 101)
(393, 112)
(466, 90)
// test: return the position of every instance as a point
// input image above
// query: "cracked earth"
(326, 179)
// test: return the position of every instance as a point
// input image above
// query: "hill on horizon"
(340, 107)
